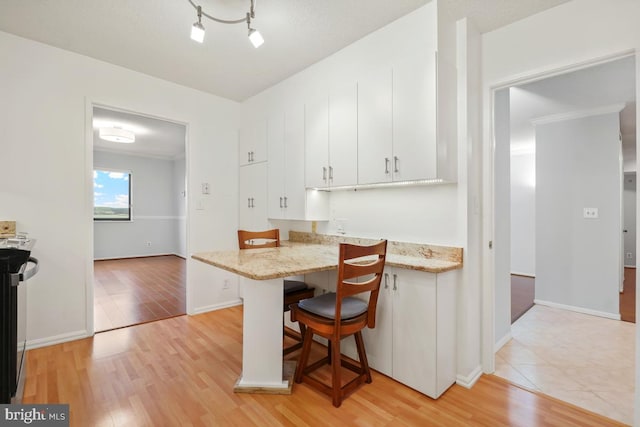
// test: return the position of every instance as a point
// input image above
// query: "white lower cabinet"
(414, 340)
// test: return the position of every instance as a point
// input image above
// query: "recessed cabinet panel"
(414, 118)
(294, 189)
(343, 135)
(317, 143)
(375, 127)
(252, 142)
(276, 167)
(253, 197)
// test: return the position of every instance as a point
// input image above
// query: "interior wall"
(45, 119)
(502, 243)
(578, 259)
(629, 219)
(154, 226)
(523, 208)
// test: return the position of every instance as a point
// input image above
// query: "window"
(111, 195)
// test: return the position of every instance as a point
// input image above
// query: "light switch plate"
(205, 188)
(591, 213)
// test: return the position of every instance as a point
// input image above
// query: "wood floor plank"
(181, 371)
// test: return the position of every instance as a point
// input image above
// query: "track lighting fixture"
(197, 29)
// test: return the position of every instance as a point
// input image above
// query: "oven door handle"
(25, 274)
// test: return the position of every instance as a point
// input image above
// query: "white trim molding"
(471, 379)
(502, 341)
(57, 339)
(578, 114)
(578, 309)
(214, 307)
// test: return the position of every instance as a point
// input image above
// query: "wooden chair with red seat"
(337, 315)
(294, 290)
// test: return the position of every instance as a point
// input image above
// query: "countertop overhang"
(307, 253)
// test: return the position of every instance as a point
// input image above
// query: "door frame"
(89, 271)
(489, 90)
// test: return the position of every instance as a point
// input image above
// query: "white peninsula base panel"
(262, 338)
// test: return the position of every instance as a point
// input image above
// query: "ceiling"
(152, 36)
(587, 89)
(154, 137)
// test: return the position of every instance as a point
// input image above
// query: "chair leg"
(304, 355)
(335, 374)
(362, 355)
(329, 353)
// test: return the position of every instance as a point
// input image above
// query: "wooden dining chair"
(294, 290)
(337, 315)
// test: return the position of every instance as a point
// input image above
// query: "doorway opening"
(139, 218)
(559, 210)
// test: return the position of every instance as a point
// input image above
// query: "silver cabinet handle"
(252, 204)
(285, 202)
(249, 156)
(248, 202)
(386, 280)
(395, 282)
(324, 173)
(386, 165)
(395, 164)
(330, 173)
(281, 203)
(252, 156)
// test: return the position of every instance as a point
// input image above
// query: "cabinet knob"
(324, 173)
(395, 282)
(285, 202)
(386, 165)
(248, 202)
(386, 280)
(395, 164)
(281, 203)
(330, 173)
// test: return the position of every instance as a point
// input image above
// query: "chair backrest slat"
(367, 263)
(246, 237)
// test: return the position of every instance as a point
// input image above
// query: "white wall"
(46, 133)
(523, 208)
(153, 213)
(577, 259)
(573, 33)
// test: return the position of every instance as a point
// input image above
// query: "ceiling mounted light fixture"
(114, 134)
(197, 29)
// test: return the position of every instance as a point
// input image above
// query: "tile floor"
(581, 359)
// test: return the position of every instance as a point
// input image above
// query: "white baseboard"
(578, 309)
(629, 266)
(57, 339)
(214, 307)
(469, 380)
(502, 341)
(135, 256)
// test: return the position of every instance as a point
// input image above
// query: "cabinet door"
(294, 189)
(414, 118)
(252, 142)
(276, 166)
(374, 127)
(343, 135)
(379, 340)
(414, 330)
(252, 197)
(316, 155)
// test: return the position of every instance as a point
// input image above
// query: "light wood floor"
(137, 290)
(181, 371)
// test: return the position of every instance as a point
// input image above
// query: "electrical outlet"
(205, 188)
(148, 243)
(590, 213)
(225, 284)
(629, 255)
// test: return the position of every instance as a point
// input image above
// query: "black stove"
(15, 258)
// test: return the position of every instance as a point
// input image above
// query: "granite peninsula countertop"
(309, 252)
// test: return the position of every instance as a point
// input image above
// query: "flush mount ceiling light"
(197, 29)
(114, 134)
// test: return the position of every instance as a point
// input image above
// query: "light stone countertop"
(301, 256)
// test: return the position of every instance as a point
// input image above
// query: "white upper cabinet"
(253, 197)
(343, 135)
(375, 131)
(287, 195)
(252, 145)
(317, 143)
(414, 118)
